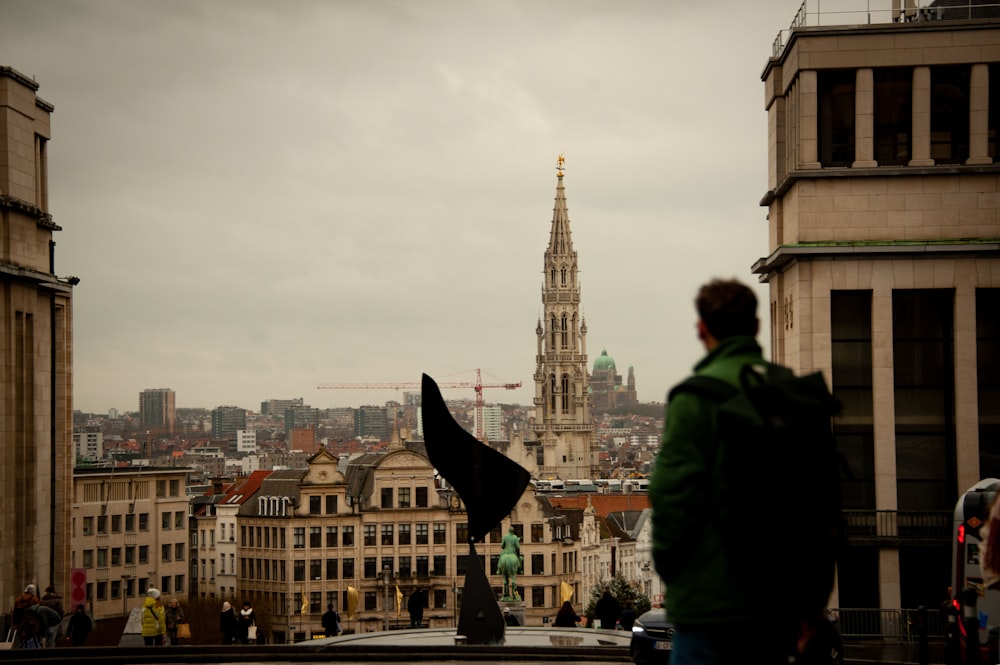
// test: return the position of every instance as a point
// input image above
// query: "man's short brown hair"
(728, 308)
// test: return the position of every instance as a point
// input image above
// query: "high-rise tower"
(563, 426)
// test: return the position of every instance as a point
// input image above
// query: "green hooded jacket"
(684, 493)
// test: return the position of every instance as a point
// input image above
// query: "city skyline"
(260, 198)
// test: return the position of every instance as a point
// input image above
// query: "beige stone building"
(884, 268)
(129, 533)
(305, 537)
(36, 346)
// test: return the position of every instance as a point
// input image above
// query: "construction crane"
(478, 386)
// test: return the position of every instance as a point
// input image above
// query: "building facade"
(884, 271)
(157, 410)
(227, 420)
(88, 443)
(129, 533)
(36, 360)
(567, 447)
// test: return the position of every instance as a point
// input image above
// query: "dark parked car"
(652, 638)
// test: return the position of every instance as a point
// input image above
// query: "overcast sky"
(260, 197)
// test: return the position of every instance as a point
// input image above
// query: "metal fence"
(892, 625)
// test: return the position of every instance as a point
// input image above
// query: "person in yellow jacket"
(154, 619)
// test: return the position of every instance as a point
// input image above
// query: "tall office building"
(227, 420)
(492, 420)
(884, 269)
(36, 361)
(157, 411)
(567, 445)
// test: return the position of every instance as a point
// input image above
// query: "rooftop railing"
(815, 13)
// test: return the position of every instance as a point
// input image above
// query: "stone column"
(808, 131)
(979, 107)
(921, 131)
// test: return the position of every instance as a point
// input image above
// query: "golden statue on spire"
(560, 165)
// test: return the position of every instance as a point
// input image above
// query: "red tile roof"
(603, 503)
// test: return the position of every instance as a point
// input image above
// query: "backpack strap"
(707, 386)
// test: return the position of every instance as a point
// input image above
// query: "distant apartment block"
(371, 421)
(88, 443)
(246, 441)
(157, 410)
(491, 422)
(277, 407)
(227, 420)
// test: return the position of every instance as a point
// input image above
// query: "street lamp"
(385, 584)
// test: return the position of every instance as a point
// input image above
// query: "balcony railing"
(865, 12)
(888, 527)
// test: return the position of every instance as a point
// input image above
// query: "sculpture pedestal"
(516, 608)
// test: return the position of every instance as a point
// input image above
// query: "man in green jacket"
(716, 621)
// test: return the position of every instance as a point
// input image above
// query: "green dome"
(604, 361)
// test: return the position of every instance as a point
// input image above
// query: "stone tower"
(36, 342)
(567, 446)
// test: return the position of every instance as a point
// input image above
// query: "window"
(386, 497)
(387, 534)
(893, 115)
(88, 558)
(404, 497)
(315, 601)
(331, 569)
(165, 521)
(923, 357)
(102, 557)
(179, 520)
(316, 569)
(116, 589)
(370, 601)
(421, 497)
(347, 536)
(404, 534)
(331, 504)
(315, 536)
(102, 524)
(538, 596)
(130, 523)
(387, 562)
(130, 555)
(950, 86)
(88, 526)
(369, 534)
(179, 553)
(143, 521)
(116, 524)
(315, 505)
(299, 571)
(440, 537)
(988, 378)
(518, 531)
(370, 571)
(405, 566)
(496, 534)
(423, 566)
(462, 532)
(440, 598)
(537, 564)
(165, 551)
(175, 490)
(102, 591)
(440, 565)
(835, 116)
(161, 488)
(422, 533)
(299, 537)
(166, 582)
(331, 536)
(143, 554)
(348, 569)
(538, 533)
(178, 584)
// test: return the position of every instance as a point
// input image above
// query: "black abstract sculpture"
(490, 485)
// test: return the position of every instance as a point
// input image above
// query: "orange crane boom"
(478, 386)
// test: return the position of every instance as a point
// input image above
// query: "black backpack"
(780, 511)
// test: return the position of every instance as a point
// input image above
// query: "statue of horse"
(509, 564)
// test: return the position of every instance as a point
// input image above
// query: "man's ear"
(702, 330)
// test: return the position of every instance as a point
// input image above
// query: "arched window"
(552, 327)
(552, 392)
(564, 276)
(565, 393)
(565, 332)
